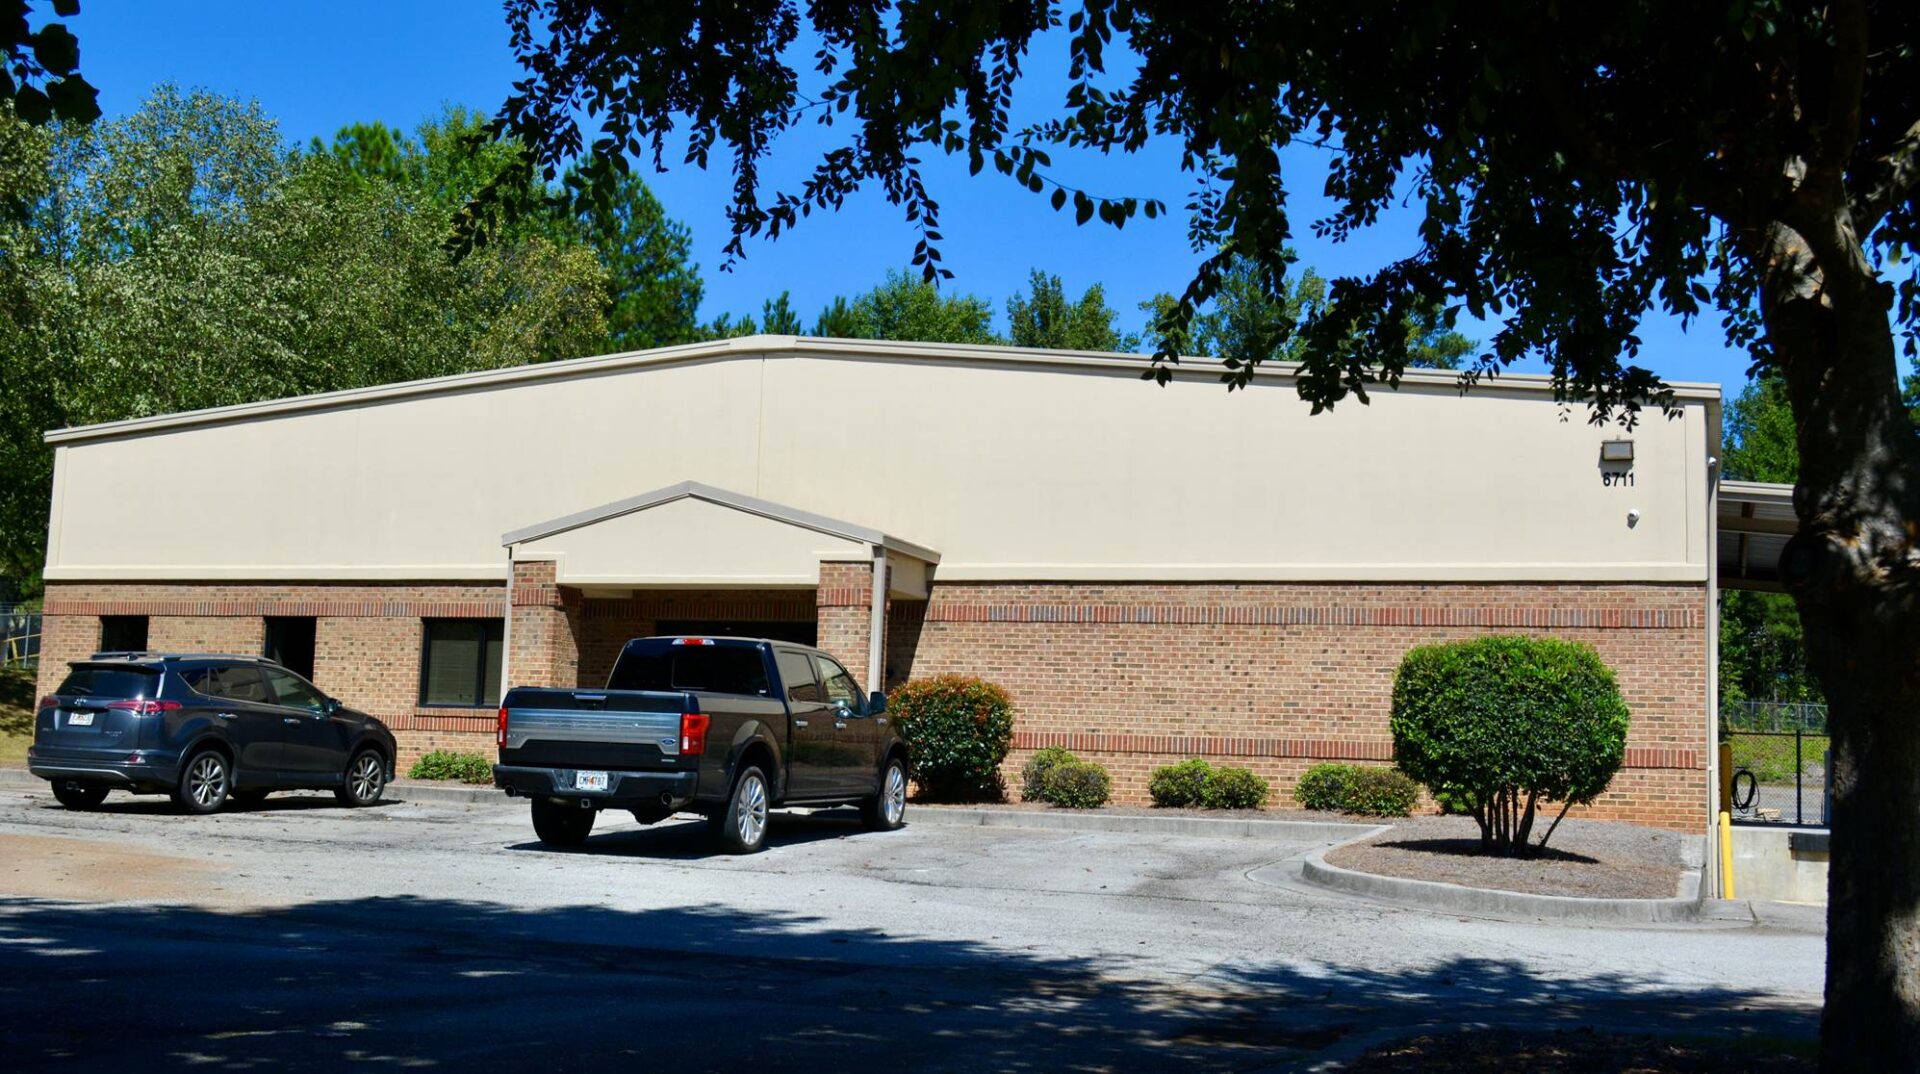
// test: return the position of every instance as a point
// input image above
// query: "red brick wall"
(846, 615)
(1274, 676)
(1271, 676)
(366, 640)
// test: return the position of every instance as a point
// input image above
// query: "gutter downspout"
(877, 623)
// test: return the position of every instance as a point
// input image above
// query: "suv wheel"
(366, 780)
(204, 782)
(887, 811)
(561, 826)
(76, 795)
(741, 828)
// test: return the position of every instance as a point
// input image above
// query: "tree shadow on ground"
(687, 838)
(1472, 848)
(413, 983)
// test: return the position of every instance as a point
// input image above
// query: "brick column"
(544, 649)
(64, 638)
(844, 611)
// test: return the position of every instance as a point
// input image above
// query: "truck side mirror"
(877, 703)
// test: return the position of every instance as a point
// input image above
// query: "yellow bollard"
(1726, 855)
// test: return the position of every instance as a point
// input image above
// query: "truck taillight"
(693, 734)
(500, 737)
(145, 708)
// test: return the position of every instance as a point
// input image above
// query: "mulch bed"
(1572, 1052)
(1589, 859)
(1150, 811)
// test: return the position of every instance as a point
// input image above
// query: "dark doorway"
(123, 633)
(800, 633)
(290, 643)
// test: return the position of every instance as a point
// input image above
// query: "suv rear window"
(117, 682)
(720, 668)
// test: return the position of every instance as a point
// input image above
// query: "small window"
(840, 685)
(797, 672)
(123, 633)
(460, 664)
(289, 643)
(234, 682)
(114, 682)
(292, 692)
(720, 668)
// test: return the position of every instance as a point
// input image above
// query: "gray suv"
(206, 729)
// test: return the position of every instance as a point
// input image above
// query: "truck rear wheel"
(741, 828)
(560, 826)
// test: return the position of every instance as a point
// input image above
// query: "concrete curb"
(1491, 902)
(400, 790)
(1203, 827)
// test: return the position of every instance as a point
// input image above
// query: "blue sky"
(319, 66)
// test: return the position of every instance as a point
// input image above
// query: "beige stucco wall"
(686, 542)
(1011, 466)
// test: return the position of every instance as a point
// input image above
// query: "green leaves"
(957, 729)
(1503, 721)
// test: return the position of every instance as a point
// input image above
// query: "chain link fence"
(1779, 761)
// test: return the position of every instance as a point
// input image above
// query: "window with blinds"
(460, 664)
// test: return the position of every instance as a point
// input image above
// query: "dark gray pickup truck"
(724, 727)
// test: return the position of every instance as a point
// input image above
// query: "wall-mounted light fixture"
(1616, 451)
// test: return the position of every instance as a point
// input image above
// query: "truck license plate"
(589, 781)
(80, 719)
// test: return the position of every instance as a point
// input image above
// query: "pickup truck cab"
(724, 727)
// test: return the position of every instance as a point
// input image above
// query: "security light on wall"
(1616, 451)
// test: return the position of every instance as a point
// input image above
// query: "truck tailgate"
(593, 728)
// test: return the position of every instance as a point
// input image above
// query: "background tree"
(1573, 167)
(1043, 317)
(905, 308)
(184, 257)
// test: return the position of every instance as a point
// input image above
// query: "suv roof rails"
(147, 654)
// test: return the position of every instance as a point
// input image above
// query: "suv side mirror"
(331, 706)
(877, 703)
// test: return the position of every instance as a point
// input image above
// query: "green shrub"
(1078, 785)
(1033, 775)
(1381, 792)
(1177, 785)
(1501, 723)
(445, 764)
(1324, 786)
(1234, 788)
(957, 729)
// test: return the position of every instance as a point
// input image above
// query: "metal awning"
(1756, 519)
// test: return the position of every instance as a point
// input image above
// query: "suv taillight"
(501, 736)
(49, 702)
(145, 708)
(693, 734)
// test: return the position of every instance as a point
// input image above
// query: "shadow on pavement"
(686, 838)
(410, 983)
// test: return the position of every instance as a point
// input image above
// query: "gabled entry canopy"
(694, 535)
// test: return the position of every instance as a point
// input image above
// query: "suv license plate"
(589, 781)
(80, 719)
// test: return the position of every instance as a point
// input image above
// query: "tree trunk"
(1854, 571)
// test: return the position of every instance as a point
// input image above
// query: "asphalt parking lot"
(305, 936)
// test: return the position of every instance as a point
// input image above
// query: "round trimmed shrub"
(957, 729)
(1234, 788)
(447, 764)
(1078, 785)
(1501, 723)
(1381, 792)
(1324, 786)
(1178, 785)
(1033, 775)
